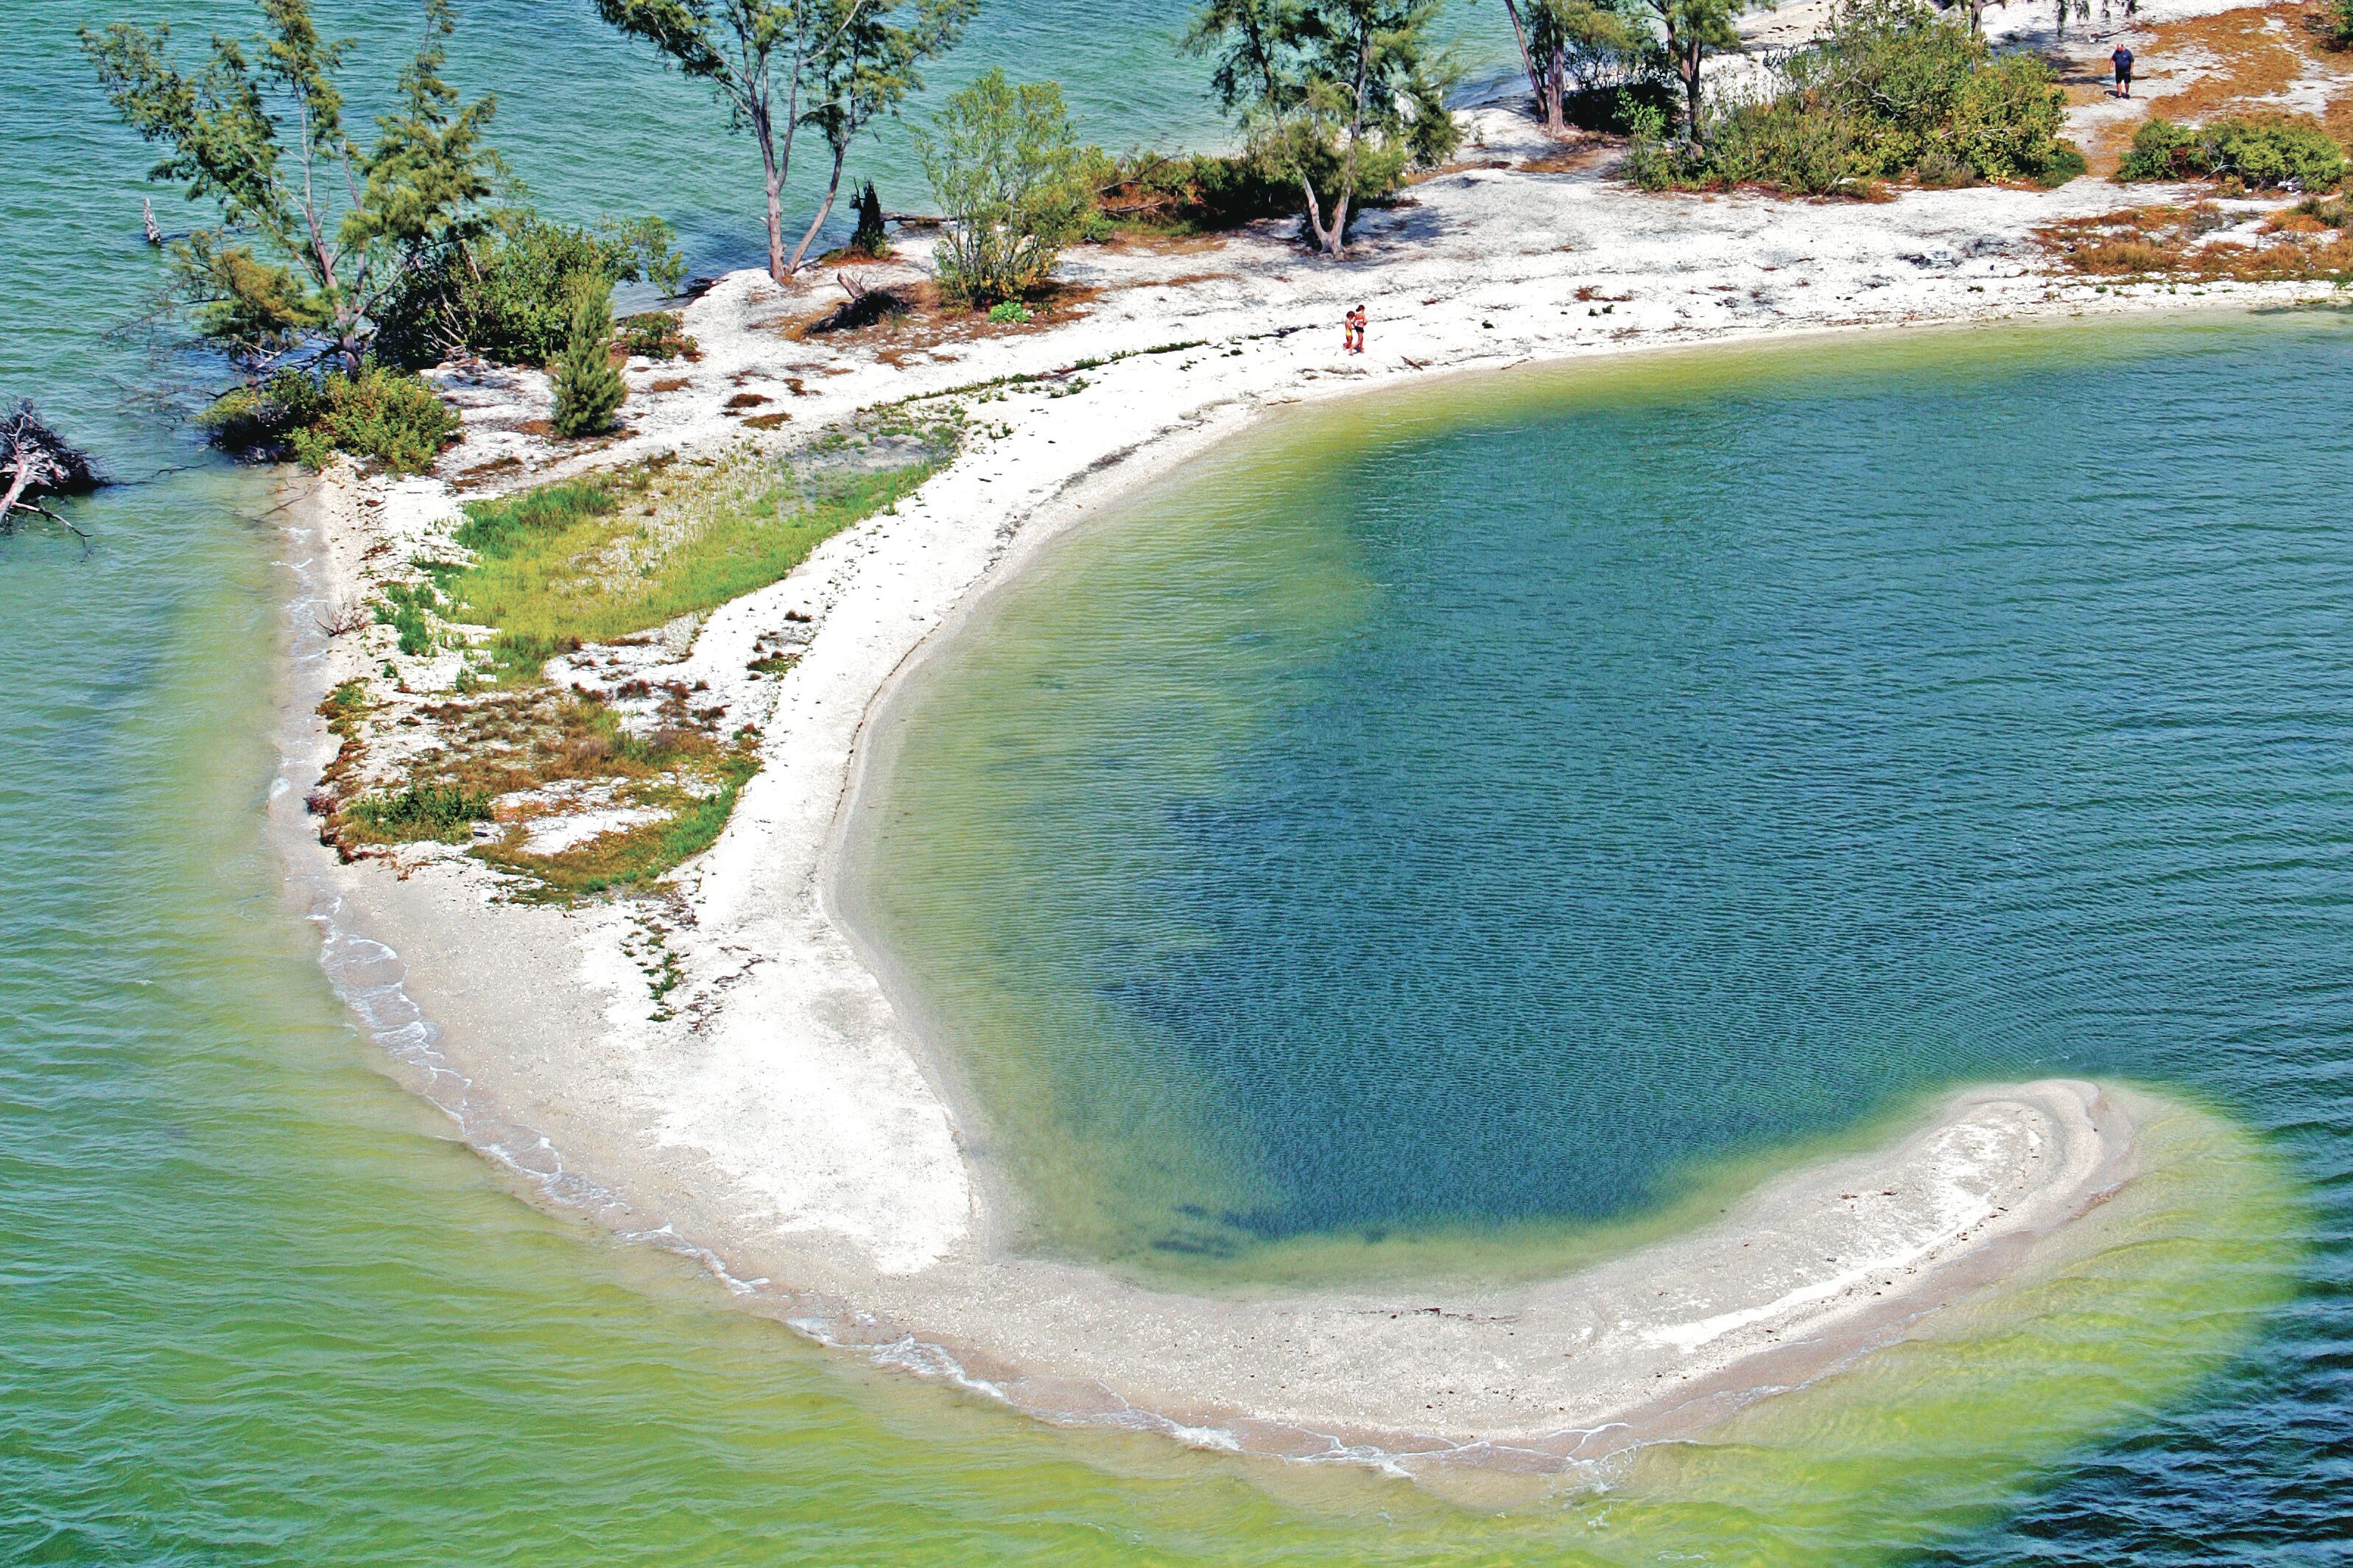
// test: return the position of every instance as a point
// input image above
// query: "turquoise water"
(256, 1306)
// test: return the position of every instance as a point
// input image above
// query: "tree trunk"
(1527, 60)
(1555, 94)
(764, 131)
(1687, 66)
(825, 207)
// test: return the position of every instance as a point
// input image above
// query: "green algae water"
(258, 1306)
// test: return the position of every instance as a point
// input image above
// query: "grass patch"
(595, 559)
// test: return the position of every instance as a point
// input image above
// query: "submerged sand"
(779, 1119)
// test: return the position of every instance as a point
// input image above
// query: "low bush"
(1196, 193)
(658, 335)
(2335, 25)
(385, 415)
(2264, 153)
(508, 294)
(1891, 89)
(422, 810)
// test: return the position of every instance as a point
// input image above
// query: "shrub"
(2263, 154)
(2337, 25)
(1009, 175)
(587, 388)
(1186, 193)
(444, 811)
(658, 334)
(391, 416)
(1011, 314)
(508, 294)
(1891, 89)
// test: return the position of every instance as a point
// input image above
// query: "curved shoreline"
(789, 1126)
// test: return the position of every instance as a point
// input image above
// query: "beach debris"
(868, 303)
(38, 464)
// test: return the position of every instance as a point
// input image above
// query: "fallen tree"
(37, 465)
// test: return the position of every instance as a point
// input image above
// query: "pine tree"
(587, 388)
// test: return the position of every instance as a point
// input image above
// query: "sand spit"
(772, 1113)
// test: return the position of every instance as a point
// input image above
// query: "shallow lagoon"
(1463, 824)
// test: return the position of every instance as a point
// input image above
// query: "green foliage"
(2262, 153)
(408, 609)
(496, 530)
(1891, 89)
(657, 335)
(587, 388)
(2337, 25)
(1690, 31)
(837, 65)
(387, 416)
(1011, 314)
(1196, 193)
(508, 293)
(1339, 98)
(421, 810)
(1011, 179)
(589, 560)
(869, 236)
(1581, 52)
(315, 229)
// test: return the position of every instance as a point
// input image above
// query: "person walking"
(2122, 61)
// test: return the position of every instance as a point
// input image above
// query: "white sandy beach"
(786, 1124)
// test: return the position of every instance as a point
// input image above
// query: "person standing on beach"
(2122, 61)
(1353, 338)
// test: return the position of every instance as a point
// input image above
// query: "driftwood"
(865, 306)
(35, 464)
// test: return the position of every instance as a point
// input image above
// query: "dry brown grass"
(2169, 243)
(2245, 58)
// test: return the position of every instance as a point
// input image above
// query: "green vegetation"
(1690, 31)
(590, 561)
(540, 740)
(1573, 48)
(1338, 98)
(588, 390)
(316, 230)
(1892, 89)
(1192, 193)
(869, 238)
(408, 608)
(507, 292)
(658, 335)
(2335, 25)
(442, 811)
(779, 65)
(1011, 179)
(388, 416)
(2265, 154)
